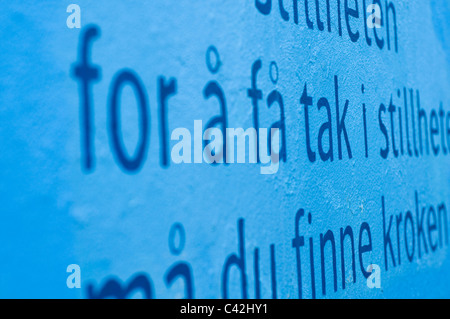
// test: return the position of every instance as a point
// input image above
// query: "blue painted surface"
(117, 224)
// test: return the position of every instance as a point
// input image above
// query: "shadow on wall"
(441, 24)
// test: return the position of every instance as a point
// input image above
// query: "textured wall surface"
(212, 231)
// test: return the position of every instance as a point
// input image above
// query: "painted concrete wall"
(85, 180)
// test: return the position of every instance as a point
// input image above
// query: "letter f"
(86, 73)
(298, 242)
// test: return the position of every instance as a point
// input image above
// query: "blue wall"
(197, 229)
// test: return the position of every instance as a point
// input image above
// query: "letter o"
(410, 219)
(130, 164)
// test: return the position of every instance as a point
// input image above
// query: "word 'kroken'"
(331, 259)
(222, 147)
